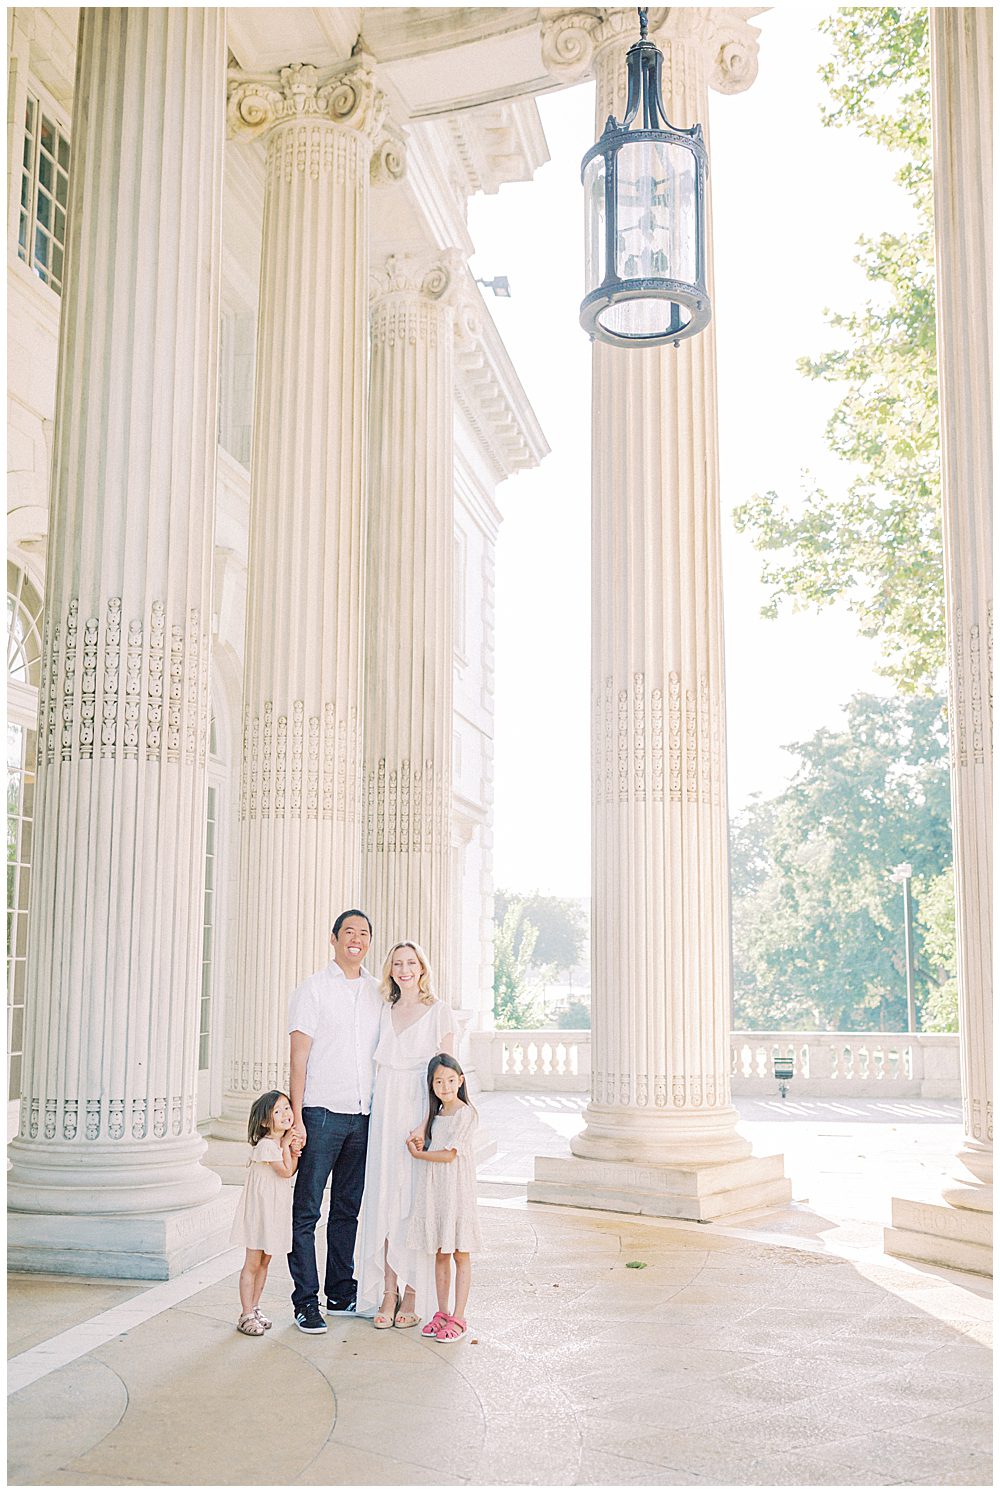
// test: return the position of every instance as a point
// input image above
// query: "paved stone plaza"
(732, 1358)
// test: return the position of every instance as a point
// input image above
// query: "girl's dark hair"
(441, 1060)
(261, 1111)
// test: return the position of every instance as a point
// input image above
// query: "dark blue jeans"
(335, 1147)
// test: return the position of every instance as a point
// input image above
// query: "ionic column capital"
(572, 40)
(432, 274)
(347, 95)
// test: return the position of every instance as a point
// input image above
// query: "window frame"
(38, 98)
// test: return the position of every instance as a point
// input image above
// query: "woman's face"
(446, 1083)
(406, 971)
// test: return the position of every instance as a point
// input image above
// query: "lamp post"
(644, 205)
(901, 875)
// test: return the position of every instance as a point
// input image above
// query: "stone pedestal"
(107, 1128)
(300, 790)
(660, 1132)
(410, 608)
(958, 1232)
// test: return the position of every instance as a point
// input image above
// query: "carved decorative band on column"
(676, 1092)
(632, 757)
(406, 807)
(297, 775)
(106, 1118)
(253, 1078)
(70, 694)
(971, 724)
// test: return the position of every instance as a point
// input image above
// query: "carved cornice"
(572, 40)
(346, 96)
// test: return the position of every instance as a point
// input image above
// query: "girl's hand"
(416, 1138)
(415, 1147)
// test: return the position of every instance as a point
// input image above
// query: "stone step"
(704, 1194)
(935, 1249)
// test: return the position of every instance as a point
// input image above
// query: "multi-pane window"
(208, 931)
(41, 241)
(24, 609)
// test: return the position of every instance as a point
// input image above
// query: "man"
(333, 1024)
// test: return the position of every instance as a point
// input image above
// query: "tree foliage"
(817, 924)
(515, 992)
(936, 924)
(877, 543)
(560, 924)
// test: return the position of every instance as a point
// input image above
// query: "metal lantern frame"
(645, 63)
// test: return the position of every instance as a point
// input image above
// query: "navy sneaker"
(309, 1318)
(342, 1308)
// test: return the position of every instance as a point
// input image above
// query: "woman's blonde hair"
(390, 989)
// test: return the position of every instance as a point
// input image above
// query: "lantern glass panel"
(657, 212)
(595, 210)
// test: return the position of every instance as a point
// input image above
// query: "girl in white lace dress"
(263, 1221)
(444, 1219)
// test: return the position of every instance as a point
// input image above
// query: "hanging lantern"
(644, 201)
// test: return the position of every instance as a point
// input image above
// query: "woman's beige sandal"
(250, 1325)
(382, 1319)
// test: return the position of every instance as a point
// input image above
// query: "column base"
(953, 1233)
(142, 1246)
(227, 1157)
(232, 1123)
(704, 1193)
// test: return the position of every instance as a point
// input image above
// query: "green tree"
(877, 543)
(817, 925)
(560, 923)
(515, 993)
(936, 923)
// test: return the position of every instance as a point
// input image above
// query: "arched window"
(24, 656)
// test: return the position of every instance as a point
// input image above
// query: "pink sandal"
(452, 1330)
(435, 1324)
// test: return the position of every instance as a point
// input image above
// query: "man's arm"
(301, 1046)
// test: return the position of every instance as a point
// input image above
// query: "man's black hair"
(352, 912)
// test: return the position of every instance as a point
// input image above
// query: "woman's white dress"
(399, 1105)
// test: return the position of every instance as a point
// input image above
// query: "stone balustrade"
(865, 1065)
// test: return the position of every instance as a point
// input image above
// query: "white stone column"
(410, 608)
(958, 1231)
(660, 1130)
(108, 1115)
(300, 794)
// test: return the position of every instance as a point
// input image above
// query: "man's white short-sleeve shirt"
(342, 1018)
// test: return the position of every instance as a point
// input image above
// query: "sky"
(790, 199)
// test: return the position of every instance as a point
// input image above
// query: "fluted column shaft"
(661, 961)
(961, 52)
(300, 784)
(114, 963)
(410, 609)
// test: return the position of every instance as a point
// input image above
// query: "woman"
(414, 1026)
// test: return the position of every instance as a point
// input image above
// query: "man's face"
(351, 944)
